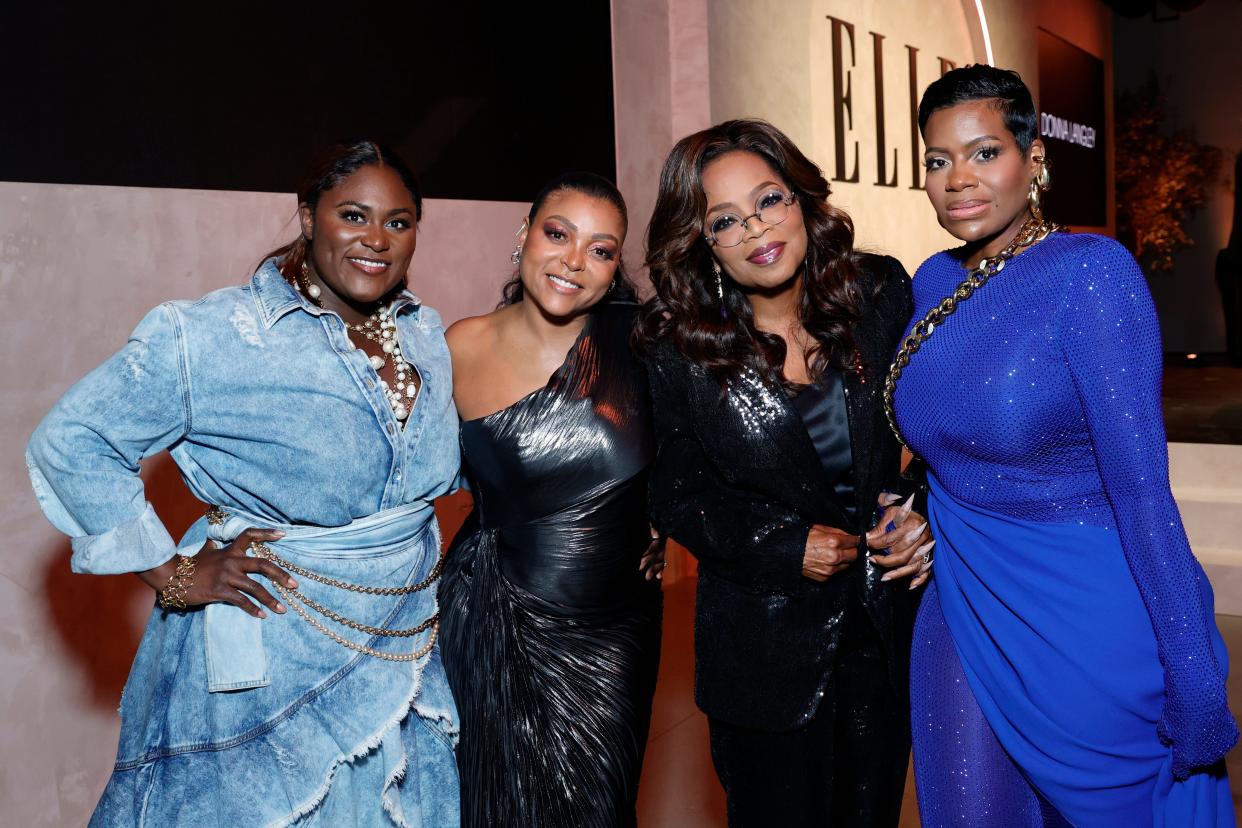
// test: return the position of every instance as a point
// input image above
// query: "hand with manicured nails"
(222, 575)
(906, 542)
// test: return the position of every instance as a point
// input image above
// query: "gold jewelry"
(1040, 184)
(172, 596)
(1032, 232)
(362, 648)
(261, 550)
(303, 283)
(381, 330)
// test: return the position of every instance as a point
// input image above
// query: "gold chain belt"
(217, 516)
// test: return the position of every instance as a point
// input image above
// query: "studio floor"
(679, 787)
(1202, 400)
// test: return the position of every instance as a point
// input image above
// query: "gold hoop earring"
(1040, 184)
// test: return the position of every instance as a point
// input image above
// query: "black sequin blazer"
(738, 482)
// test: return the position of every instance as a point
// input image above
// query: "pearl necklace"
(381, 330)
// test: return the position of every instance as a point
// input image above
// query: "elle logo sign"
(845, 153)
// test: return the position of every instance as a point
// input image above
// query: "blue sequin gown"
(1067, 667)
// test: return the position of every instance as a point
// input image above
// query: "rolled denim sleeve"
(84, 457)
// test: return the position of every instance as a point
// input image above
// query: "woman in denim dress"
(312, 409)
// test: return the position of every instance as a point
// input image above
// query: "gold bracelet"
(172, 596)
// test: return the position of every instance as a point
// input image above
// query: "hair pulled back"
(587, 184)
(333, 167)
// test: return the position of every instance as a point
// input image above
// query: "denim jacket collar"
(274, 296)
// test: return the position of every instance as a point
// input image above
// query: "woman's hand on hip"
(902, 532)
(828, 551)
(222, 575)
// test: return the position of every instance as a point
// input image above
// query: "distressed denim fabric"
(263, 403)
(270, 413)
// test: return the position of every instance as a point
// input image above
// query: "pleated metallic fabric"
(550, 634)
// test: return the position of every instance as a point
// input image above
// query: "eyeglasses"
(771, 208)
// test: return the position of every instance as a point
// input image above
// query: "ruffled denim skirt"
(228, 720)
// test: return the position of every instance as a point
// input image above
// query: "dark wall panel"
(1071, 122)
(485, 100)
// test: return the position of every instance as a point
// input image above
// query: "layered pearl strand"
(381, 330)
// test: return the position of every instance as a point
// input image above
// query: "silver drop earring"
(724, 312)
(517, 254)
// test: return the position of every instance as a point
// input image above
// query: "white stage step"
(1207, 484)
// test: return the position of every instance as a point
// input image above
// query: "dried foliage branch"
(1162, 178)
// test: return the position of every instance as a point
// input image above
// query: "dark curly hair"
(588, 184)
(980, 82)
(333, 167)
(685, 308)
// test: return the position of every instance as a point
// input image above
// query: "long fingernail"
(887, 576)
(923, 549)
(914, 533)
(906, 507)
(888, 498)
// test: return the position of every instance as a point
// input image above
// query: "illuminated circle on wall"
(976, 20)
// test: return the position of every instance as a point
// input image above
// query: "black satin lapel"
(861, 401)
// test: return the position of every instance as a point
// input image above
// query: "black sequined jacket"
(738, 482)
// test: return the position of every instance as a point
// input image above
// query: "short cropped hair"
(982, 82)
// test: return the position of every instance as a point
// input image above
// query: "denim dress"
(274, 418)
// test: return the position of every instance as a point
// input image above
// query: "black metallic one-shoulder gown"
(550, 634)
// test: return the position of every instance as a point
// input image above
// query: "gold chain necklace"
(1032, 232)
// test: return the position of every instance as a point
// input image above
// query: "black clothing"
(845, 767)
(738, 481)
(550, 634)
(821, 405)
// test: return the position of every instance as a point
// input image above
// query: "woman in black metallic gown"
(550, 622)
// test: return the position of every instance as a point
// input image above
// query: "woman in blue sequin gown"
(1067, 668)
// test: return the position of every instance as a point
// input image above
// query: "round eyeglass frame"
(785, 202)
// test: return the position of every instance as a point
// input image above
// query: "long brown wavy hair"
(685, 308)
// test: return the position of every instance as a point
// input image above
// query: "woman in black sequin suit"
(550, 631)
(768, 338)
